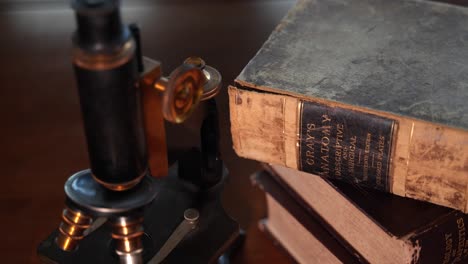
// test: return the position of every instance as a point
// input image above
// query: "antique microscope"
(130, 207)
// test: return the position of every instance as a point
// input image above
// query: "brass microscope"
(129, 207)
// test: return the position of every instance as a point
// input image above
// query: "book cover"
(380, 227)
(302, 245)
(317, 232)
(371, 92)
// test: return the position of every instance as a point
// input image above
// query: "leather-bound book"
(375, 227)
(302, 245)
(372, 92)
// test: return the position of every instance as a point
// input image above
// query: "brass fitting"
(196, 61)
(127, 234)
(212, 83)
(72, 229)
(181, 92)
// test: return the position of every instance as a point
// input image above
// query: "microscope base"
(216, 232)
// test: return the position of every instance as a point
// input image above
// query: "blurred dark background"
(41, 134)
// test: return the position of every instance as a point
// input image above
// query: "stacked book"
(358, 110)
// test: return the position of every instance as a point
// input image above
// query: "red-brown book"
(373, 226)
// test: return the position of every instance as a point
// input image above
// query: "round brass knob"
(182, 93)
(212, 84)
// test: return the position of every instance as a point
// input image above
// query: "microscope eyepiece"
(100, 28)
(93, 5)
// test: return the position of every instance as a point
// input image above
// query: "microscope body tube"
(106, 70)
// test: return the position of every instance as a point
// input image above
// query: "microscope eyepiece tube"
(106, 70)
(100, 28)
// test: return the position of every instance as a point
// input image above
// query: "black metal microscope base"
(214, 234)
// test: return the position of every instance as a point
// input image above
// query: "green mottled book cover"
(372, 92)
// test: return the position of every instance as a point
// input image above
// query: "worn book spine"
(405, 156)
(445, 241)
(301, 245)
(442, 241)
(263, 226)
(307, 217)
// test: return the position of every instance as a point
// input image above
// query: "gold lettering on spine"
(461, 240)
(352, 155)
(366, 157)
(339, 149)
(448, 248)
(380, 154)
(342, 144)
(310, 143)
(324, 146)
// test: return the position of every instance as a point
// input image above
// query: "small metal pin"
(191, 215)
(189, 223)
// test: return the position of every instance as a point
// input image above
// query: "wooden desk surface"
(41, 135)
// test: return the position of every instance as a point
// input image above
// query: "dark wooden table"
(42, 141)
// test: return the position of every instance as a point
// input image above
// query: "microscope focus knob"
(181, 92)
(212, 84)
